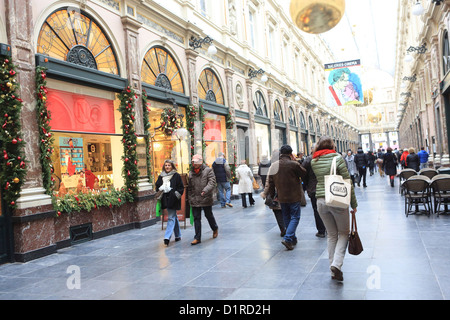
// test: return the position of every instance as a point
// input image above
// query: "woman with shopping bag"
(335, 194)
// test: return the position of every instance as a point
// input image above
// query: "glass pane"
(63, 31)
(208, 84)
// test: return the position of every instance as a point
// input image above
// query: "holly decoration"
(130, 168)
(169, 121)
(13, 163)
(147, 125)
(191, 117)
(202, 114)
(46, 138)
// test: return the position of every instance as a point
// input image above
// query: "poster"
(72, 164)
(343, 83)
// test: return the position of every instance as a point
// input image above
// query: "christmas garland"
(147, 126)
(129, 141)
(229, 124)
(12, 168)
(45, 136)
(202, 114)
(169, 121)
(191, 114)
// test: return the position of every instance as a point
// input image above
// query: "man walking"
(223, 175)
(423, 156)
(284, 176)
(200, 194)
(361, 161)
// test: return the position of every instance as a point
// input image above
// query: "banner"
(343, 81)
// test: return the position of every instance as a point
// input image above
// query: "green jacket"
(321, 167)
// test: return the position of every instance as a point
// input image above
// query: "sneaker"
(177, 239)
(166, 242)
(230, 205)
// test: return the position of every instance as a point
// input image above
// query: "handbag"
(337, 189)
(255, 184)
(355, 246)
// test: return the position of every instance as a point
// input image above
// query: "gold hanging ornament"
(317, 16)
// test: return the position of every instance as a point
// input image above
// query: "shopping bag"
(158, 208)
(355, 246)
(337, 189)
(191, 216)
(255, 184)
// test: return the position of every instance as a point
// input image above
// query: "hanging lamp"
(316, 16)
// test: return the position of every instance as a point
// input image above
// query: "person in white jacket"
(245, 177)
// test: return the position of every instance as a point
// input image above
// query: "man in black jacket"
(361, 161)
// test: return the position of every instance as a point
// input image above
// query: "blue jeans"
(224, 186)
(172, 225)
(291, 217)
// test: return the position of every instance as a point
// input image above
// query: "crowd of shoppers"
(285, 178)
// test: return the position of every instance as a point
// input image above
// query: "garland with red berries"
(12, 166)
(147, 126)
(45, 136)
(130, 167)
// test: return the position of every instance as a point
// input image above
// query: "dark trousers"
(319, 223)
(250, 199)
(362, 174)
(279, 217)
(197, 213)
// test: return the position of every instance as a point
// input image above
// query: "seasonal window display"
(87, 141)
(215, 137)
(169, 137)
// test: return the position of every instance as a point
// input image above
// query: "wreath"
(169, 121)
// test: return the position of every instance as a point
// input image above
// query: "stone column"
(251, 112)
(33, 219)
(231, 133)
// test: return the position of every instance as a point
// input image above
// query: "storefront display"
(293, 141)
(262, 141)
(87, 140)
(175, 146)
(215, 137)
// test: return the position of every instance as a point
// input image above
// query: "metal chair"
(428, 172)
(403, 176)
(441, 193)
(416, 194)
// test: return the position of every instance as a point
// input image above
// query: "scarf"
(166, 176)
(322, 153)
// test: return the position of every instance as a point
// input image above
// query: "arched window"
(317, 126)
(292, 120)
(311, 124)
(302, 121)
(278, 112)
(260, 104)
(159, 69)
(72, 36)
(446, 53)
(209, 87)
(327, 128)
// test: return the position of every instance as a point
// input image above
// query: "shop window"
(165, 146)
(262, 136)
(87, 141)
(302, 121)
(292, 120)
(70, 35)
(311, 125)
(446, 53)
(209, 87)
(215, 137)
(159, 69)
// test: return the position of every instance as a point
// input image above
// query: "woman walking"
(390, 165)
(351, 166)
(170, 183)
(245, 177)
(412, 160)
(336, 220)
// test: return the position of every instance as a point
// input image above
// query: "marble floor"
(404, 258)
